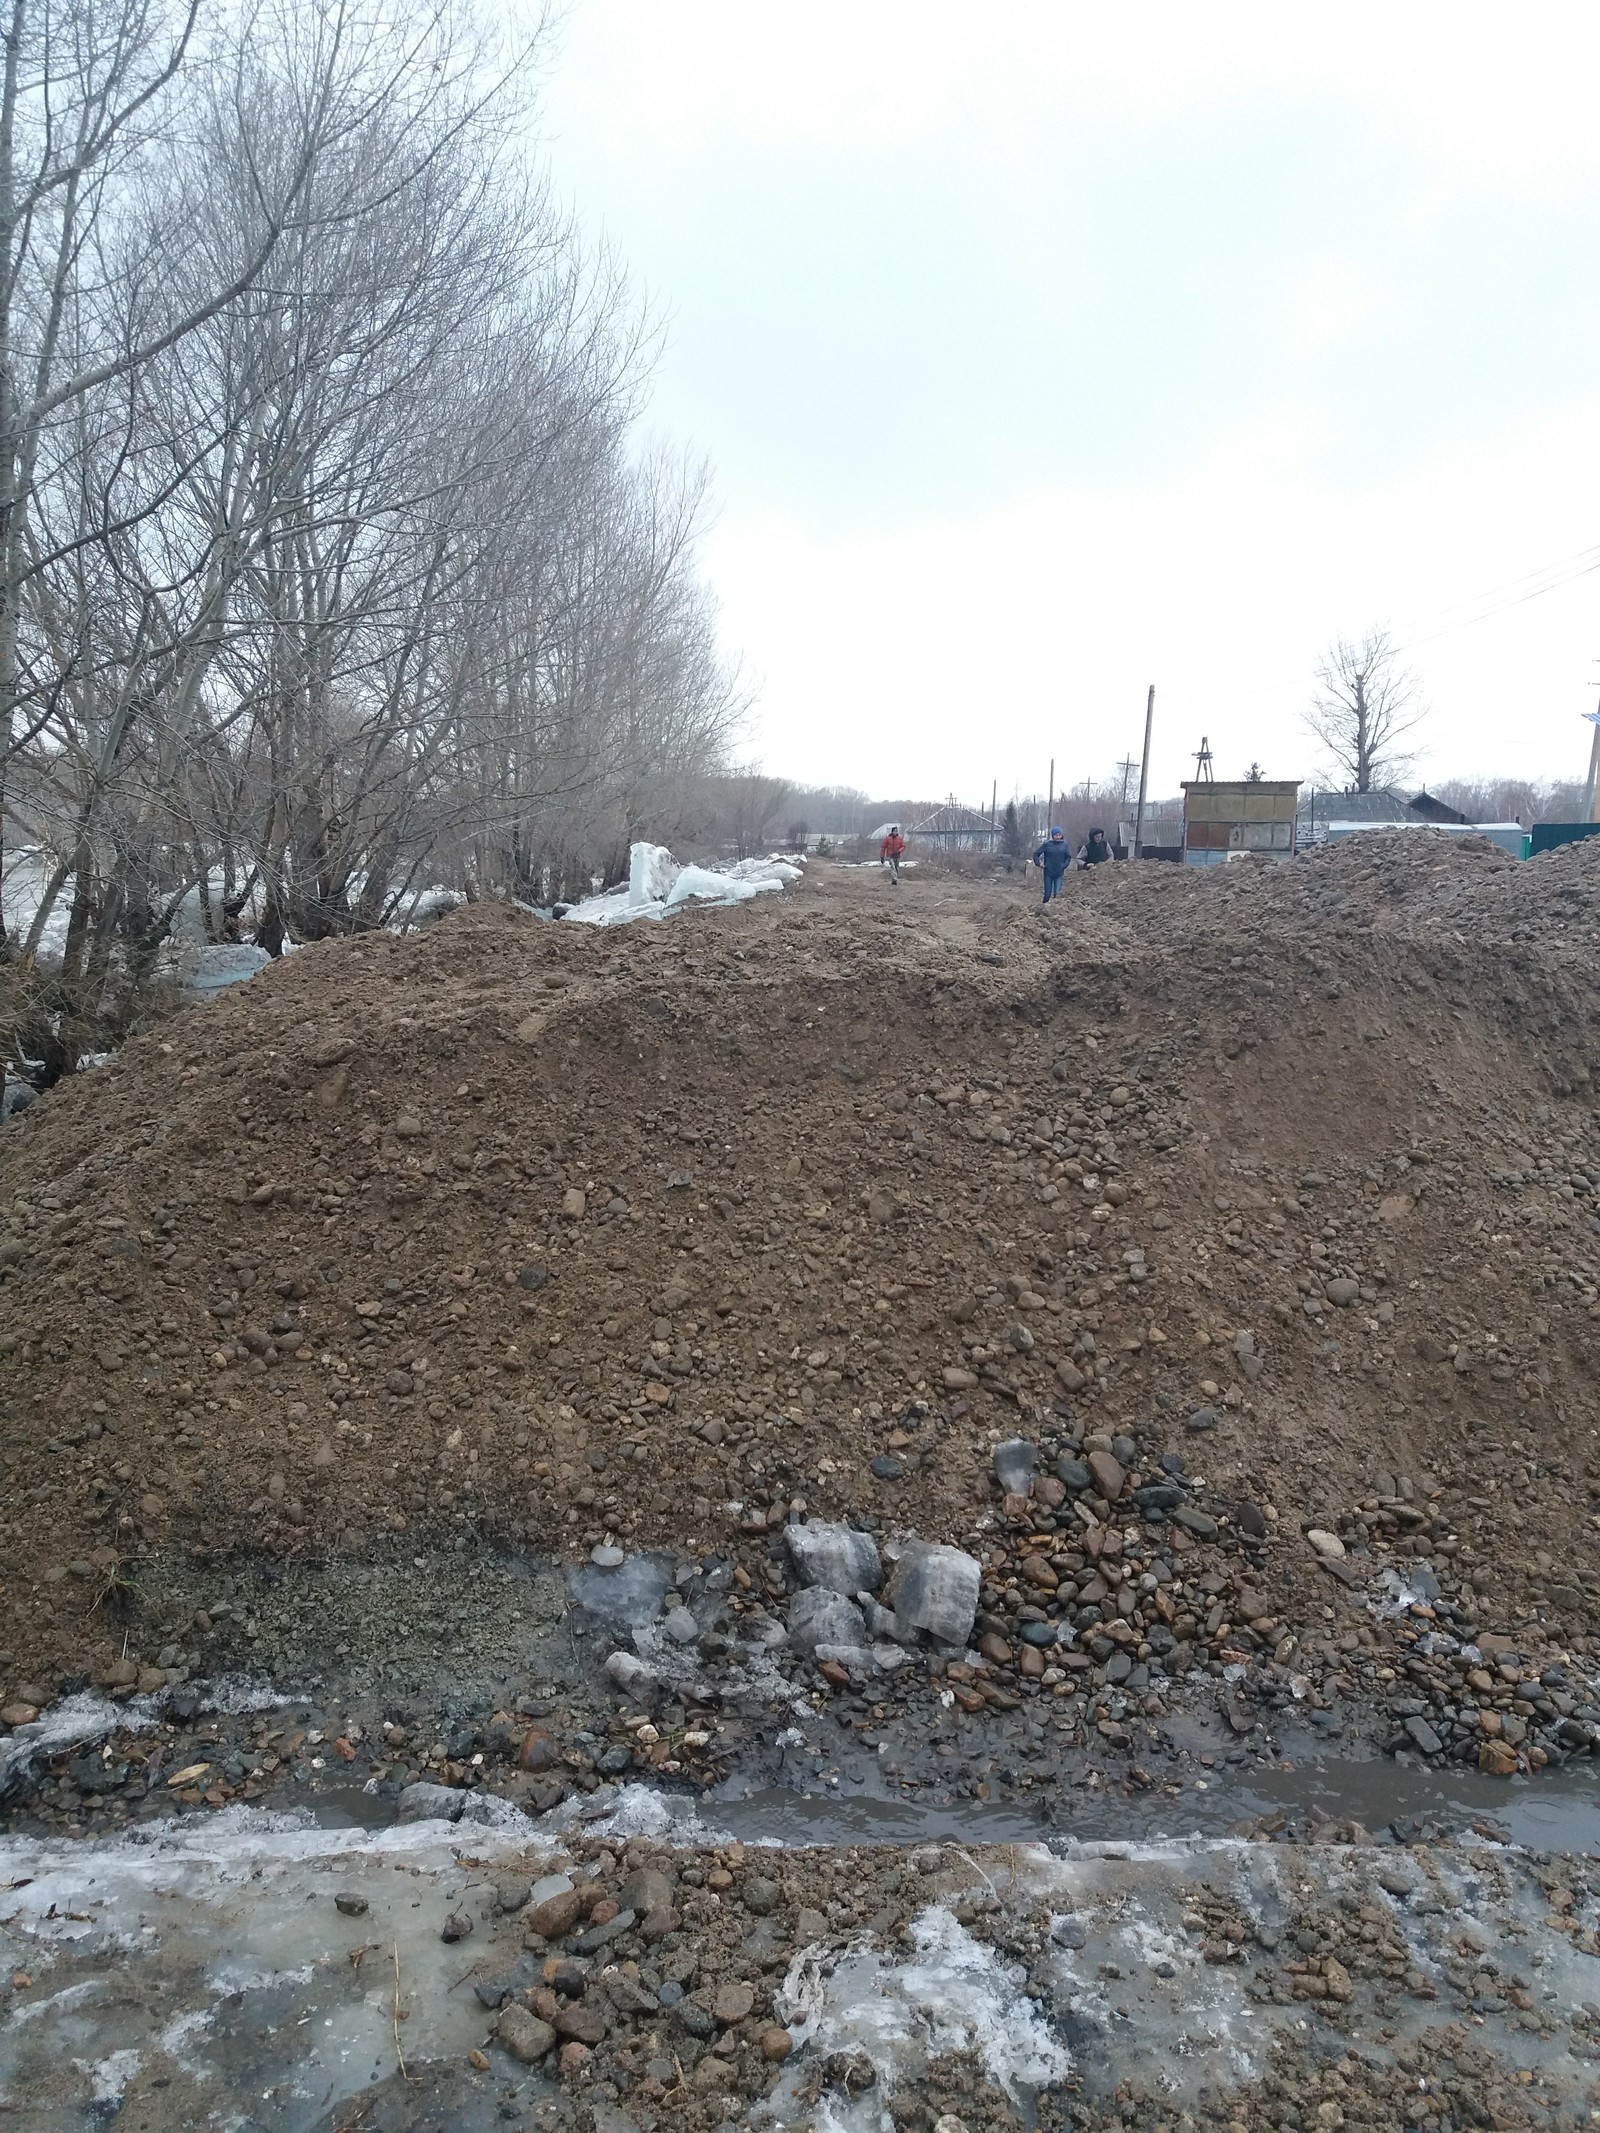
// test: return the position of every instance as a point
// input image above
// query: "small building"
(1226, 816)
(954, 828)
(1331, 817)
(1325, 814)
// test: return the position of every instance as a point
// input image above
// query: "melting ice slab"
(657, 886)
(206, 1973)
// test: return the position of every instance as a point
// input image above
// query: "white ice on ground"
(76, 1721)
(135, 1943)
(657, 886)
(109, 2078)
(954, 1995)
(972, 2003)
(640, 1811)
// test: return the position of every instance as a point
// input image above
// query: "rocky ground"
(915, 1348)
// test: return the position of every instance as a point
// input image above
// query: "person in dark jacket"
(1053, 858)
(1095, 849)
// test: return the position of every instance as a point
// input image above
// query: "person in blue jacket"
(1053, 858)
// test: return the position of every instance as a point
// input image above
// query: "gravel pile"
(1265, 1198)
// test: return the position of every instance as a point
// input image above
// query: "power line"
(1506, 597)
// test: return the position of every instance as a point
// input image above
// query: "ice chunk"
(631, 1675)
(854, 1658)
(818, 1616)
(935, 1588)
(1014, 1463)
(218, 965)
(652, 873)
(716, 888)
(629, 1594)
(430, 1803)
(657, 886)
(836, 1556)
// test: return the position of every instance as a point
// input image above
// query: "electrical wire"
(1503, 598)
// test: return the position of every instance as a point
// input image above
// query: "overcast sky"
(1043, 351)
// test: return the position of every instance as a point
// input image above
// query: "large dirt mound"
(524, 1231)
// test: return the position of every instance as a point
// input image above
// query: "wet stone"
(1200, 1523)
(524, 2036)
(1424, 1736)
(599, 1937)
(761, 1895)
(733, 2002)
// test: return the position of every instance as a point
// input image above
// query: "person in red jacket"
(891, 851)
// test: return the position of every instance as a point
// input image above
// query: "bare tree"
(339, 582)
(1513, 800)
(1366, 704)
(745, 805)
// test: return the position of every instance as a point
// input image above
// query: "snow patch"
(110, 2077)
(180, 2034)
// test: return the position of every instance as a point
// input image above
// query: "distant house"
(1330, 817)
(1384, 807)
(953, 828)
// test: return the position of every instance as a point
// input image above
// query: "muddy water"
(1557, 1812)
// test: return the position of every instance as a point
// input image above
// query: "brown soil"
(537, 1232)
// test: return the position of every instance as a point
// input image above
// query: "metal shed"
(1222, 816)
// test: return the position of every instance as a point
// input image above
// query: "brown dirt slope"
(538, 1233)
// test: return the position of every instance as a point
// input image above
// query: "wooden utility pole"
(1591, 798)
(1050, 797)
(1144, 771)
